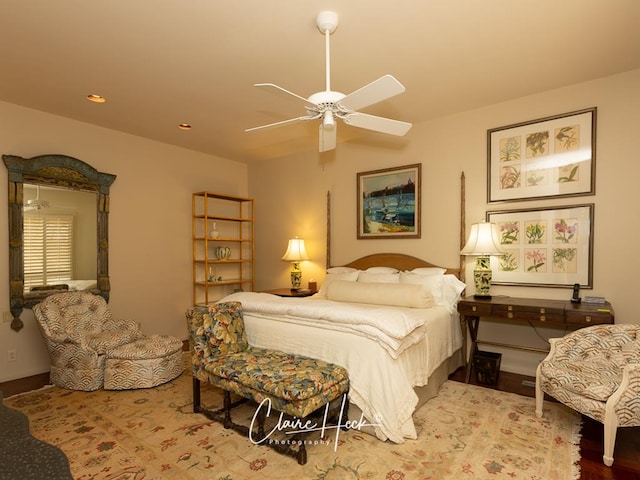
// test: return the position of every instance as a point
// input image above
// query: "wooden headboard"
(395, 260)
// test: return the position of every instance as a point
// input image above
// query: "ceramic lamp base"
(482, 277)
(296, 276)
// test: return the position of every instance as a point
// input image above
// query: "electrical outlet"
(6, 317)
(12, 355)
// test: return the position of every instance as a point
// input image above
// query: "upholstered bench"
(292, 384)
(144, 363)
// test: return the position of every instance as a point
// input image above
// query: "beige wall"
(291, 197)
(150, 221)
(150, 260)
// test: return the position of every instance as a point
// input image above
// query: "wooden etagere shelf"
(223, 246)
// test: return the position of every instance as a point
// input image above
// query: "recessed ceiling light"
(96, 98)
(184, 126)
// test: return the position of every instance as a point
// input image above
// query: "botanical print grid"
(542, 158)
(544, 247)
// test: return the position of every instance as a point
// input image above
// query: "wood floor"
(627, 453)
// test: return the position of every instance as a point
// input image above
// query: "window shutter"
(48, 249)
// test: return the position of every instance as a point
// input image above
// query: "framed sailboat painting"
(389, 202)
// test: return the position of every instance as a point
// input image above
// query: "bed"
(389, 319)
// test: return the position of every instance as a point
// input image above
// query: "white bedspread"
(387, 350)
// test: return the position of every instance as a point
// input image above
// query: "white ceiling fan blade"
(283, 122)
(283, 90)
(378, 124)
(377, 91)
(327, 137)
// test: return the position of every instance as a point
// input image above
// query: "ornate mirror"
(57, 171)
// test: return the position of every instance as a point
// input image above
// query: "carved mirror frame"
(61, 171)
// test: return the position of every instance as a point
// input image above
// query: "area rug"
(466, 432)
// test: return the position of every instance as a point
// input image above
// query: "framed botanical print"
(544, 158)
(389, 202)
(550, 247)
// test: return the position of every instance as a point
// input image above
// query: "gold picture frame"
(389, 202)
(546, 247)
(544, 158)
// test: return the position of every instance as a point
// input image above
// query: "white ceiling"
(163, 62)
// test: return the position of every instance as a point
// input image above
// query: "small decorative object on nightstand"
(483, 242)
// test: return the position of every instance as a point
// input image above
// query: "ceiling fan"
(329, 105)
(36, 204)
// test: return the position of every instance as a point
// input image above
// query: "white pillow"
(432, 282)
(379, 277)
(396, 295)
(381, 270)
(332, 277)
(341, 270)
(452, 288)
(429, 271)
(446, 289)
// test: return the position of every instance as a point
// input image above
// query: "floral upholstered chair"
(595, 371)
(90, 349)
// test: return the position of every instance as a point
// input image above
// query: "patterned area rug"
(466, 432)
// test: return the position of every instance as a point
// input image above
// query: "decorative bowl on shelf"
(223, 253)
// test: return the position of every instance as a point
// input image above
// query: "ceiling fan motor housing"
(327, 21)
(326, 100)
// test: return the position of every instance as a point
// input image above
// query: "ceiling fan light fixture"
(184, 126)
(327, 119)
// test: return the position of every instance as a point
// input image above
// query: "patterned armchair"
(78, 329)
(595, 371)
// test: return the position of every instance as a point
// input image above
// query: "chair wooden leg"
(539, 395)
(196, 395)
(227, 410)
(610, 431)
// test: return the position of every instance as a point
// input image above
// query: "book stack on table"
(594, 300)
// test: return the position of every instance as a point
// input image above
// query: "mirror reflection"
(49, 198)
(60, 239)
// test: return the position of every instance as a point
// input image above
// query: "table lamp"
(483, 242)
(295, 254)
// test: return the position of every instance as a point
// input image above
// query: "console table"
(528, 311)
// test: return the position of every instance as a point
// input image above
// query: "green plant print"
(509, 149)
(509, 232)
(562, 257)
(568, 137)
(563, 232)
(509, 177)
(537, 143)
(535, 178)
(535, 232)
(508, 262)
(537, 260)
(571, 176)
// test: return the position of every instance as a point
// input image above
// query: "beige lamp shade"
(483, 240)
(296, 251)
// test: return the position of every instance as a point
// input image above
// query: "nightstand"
(287, 292)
